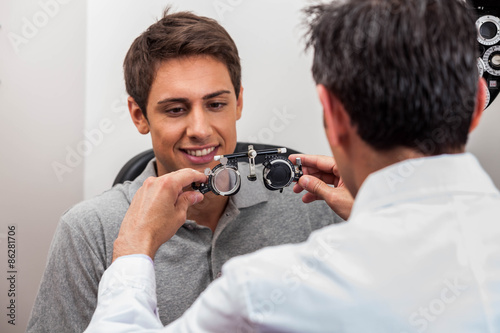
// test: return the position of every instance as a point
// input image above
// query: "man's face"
(192, 111)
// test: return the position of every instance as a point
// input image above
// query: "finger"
(321, 162)
(315, 186)
(309, 197)
(292, 157)
(328, 178)
(339, 199)
(319, 166)
(188, 199)
(183, 178)
(297, 188)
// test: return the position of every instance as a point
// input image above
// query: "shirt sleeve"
(127, 302)
(67, 295)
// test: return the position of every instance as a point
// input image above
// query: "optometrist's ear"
(480, 104)
(140, 121)
(335, 118)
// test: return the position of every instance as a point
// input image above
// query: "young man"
(420, 252)
(183, 76)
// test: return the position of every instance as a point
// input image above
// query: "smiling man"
(192, 113)
(183, 76)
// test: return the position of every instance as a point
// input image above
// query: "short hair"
(177, 35)
(404, 70)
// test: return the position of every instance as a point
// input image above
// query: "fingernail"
(198, 197)
(304, 181)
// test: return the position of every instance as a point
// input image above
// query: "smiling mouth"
(200, 152)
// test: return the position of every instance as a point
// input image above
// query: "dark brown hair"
(177, 35)
(405, 70)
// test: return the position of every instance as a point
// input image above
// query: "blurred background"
(66, 131)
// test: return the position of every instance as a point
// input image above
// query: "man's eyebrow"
(215, 94)
(173, 100)
(186, 101)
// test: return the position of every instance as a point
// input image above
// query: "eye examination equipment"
(488, 30)
(225, 179)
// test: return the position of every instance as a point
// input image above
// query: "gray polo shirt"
(82, 249)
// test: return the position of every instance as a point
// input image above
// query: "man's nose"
(199, 124)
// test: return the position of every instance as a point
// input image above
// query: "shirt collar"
(149, 171)
(420, 177)
(251, 192)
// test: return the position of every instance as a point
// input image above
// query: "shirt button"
(218, 275)
(190, 227)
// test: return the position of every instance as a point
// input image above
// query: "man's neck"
(374, 160)
(208, 211)
(370, 161)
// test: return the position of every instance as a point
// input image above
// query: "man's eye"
(175, 111)
(216, 105)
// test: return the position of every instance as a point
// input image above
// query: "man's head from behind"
(403, 72)
(177, 35)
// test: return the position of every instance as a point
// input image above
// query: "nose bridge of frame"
(225, 179)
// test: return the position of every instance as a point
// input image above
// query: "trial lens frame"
(225, 179)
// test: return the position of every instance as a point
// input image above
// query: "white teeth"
(200, 152)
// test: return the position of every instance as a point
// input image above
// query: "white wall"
(63, 103)
(484, 142)
(42, 59)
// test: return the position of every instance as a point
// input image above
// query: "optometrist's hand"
(157, 211)
(319, 173)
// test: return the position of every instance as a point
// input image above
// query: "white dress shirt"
(420, 253)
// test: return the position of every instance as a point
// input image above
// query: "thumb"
(187, 199)
(338, 199)
(314, 186)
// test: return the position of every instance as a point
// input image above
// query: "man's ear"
(239, 104)
(480, 103)
(335, 117)
(137, 116)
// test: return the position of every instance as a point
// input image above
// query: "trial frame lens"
(226, 180)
